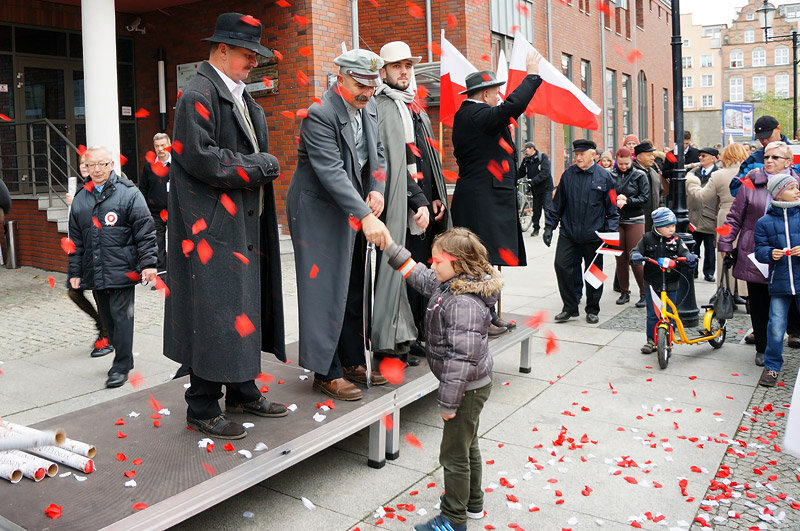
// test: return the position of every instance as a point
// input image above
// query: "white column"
(98, 29)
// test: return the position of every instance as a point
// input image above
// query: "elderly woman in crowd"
(717, 188)
(630, 142)
(750, 204)
(633, 191)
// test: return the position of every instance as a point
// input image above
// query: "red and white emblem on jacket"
(111, 218)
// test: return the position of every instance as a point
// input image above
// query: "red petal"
(4, 118)
(229, 447)
(300, 20)
(387, 422)
(412, 439)
(123, 159)
(302, 79)
(671, 157)
(250, 19)
(187, 246)
(67, 245)
(264, 377)
(142, 113)
(163, 215)
(53, 511)
(81, 149)
(199, 225)
(414, 149)
(282, 3)
(139, 506)
(414, 10)
(137, 461)
(129, 473)
(177, 146)
(536, 320)
(278, 54)
(452, 21)
(305, 51)
(634, 56)
(120, 435)
(314, 271)
(508, 257)
(723, 230)
(748, 183)
(244, 326)
(505, 145)
(393, 369)
(495, 169)
(121, 457)
(552, 343)
(241, 257)
(379, 175)
(612, 194)
(289, 115)
(51, 281)
(228, 203)
(135, 379)
(302, 113)
(242, 174)
(435, 48)
(133, 276)
(355, 224)
(450, 175)
(204, 251)
(201, 110)
(119, 421)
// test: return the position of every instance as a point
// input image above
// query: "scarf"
(402, 98)
(784, 204)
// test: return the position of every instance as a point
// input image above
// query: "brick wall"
(38, 240)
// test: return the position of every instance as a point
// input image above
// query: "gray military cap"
(361, 65)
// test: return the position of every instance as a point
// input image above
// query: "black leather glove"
(730, 259)
(547, 236)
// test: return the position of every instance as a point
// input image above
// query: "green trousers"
(460, 456)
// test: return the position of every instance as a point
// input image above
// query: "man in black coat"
(154, 185)
(115, 245)
(225, 304)
(485, 198)
(536, 168)
(691, 158)
(583, 207)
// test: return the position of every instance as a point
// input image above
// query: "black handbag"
(723, 299)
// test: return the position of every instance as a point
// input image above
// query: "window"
(665, 98)
(627, 111)
(781, 55)
(688, 82)
(586, 87)
(759, 57)
(708, 100)
(759, 87)
(707, 80)
(736, 89)
(688, 102)
(685, 43)
(611, 110)
(569, 134)
(639, 13)
(506, 15)
(641, 81)
(687, 61)
(737, 59)
(750, 16)
(782, 85)
(583, 6)
(706, 61)
(749, 36)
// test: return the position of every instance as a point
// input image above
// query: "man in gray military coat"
(333, 204)
(225, 304)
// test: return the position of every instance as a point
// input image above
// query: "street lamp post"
(766, 17)
(687, 305)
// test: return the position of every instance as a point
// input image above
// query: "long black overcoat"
(214, 204)
(482, 202)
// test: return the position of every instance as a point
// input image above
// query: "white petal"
(308, 503)
(260, 447)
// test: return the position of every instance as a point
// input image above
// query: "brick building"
(619, 61)
(702, 80)
(752, 67)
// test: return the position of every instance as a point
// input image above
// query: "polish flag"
(608, 250)
(594, 276)
(557, 97)
(656, 301)
(609, 238)
(502, 71)
(453, 71)
(795, 153)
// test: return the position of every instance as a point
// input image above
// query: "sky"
(706, 12)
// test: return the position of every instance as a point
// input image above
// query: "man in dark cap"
(225, 304)
(334, 203)
(485, 198)
(703, 214)
(645, 158)
(766, 130)
(583, 206)
(535, 167)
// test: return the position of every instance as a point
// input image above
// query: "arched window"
(642, 100)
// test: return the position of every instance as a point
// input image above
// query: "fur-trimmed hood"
(487, 288)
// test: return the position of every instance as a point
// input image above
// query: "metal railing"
(43, 160)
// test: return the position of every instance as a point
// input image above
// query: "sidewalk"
(597, 435)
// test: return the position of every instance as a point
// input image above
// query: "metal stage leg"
(377, 445)
(393, 437)
(525, 356)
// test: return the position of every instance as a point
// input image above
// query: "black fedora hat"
(480, 81)
(239, 30)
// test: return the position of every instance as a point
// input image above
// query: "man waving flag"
(557, 98)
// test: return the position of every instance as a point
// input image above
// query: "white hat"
(395, 51)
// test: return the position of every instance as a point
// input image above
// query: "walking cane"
(367, 312)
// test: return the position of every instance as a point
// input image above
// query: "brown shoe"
(358, 374)
(502, 323)
(497, 330)
(220, 427)
(261, 407)
(339, 389)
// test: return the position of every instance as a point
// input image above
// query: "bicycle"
(713, 330)
(525, 204)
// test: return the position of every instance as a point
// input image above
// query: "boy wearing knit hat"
(661, 242)
(777, 243)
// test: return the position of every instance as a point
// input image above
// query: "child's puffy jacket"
(779, 228)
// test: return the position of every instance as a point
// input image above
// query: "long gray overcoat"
(325, 191)
(214, 204)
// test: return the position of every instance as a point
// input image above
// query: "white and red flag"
(502, 72)
(557, 97)
(795, 153)
(453, 71)
(656, 298)
(594, 276)
(609, 238)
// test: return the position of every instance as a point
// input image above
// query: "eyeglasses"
(99, 165)
(774, 157)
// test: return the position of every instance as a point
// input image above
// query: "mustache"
(362, 98)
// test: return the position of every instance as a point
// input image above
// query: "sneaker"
(642, 302)
(648, 347)
(768, 378)
(476, 515)
(440, 523)
(624, 299)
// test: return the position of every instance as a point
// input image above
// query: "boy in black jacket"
(661, 242)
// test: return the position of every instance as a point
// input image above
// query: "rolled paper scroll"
(81, 448)
(49, 467)
(28, 468)
(13, 439)
(65, 457)
(11, 473)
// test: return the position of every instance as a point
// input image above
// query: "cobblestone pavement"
(756, 484)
